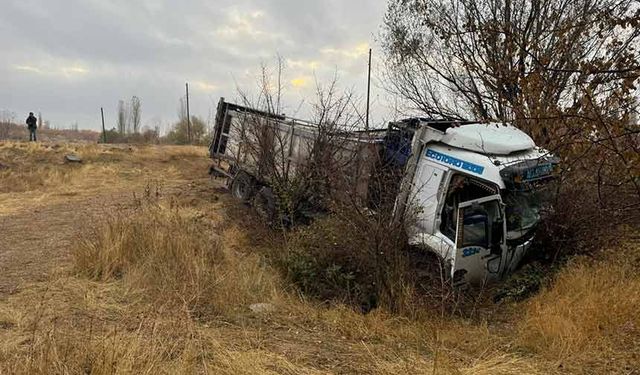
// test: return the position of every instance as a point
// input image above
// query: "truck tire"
(243, 186)
(264, 202)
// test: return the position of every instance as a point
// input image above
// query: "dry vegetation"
(9, 130)
(34, 173)
(162, 281)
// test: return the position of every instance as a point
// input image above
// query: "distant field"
(14, 132)
(135, 261)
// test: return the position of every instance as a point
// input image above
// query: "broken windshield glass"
(525, 208)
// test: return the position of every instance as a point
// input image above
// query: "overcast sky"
(67, 58)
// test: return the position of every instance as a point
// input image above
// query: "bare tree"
(182, 110)
(304, 181)
(7, 119)
(182, 133)
(135, 114)
(122, 118)
(510, 59)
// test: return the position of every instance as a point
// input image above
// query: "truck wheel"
(243, 186)
(265, 204)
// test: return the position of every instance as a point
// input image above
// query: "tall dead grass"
(173, 256)
(114, 352)
(159, 292)
(162, 289)
(589, 318)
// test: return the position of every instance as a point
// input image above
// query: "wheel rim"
(241, 188)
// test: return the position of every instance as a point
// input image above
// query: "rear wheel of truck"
(243, 186)
(264, 203)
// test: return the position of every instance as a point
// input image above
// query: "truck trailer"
(478, 190)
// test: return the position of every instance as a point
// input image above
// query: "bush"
(323, 264)
(147, 136)
(179, 134)
(350, 259)
(587, 215)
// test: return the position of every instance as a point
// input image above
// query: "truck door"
(480, 250)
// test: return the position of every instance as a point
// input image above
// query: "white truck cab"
(479, 192)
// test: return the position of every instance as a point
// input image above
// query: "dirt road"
(45, 205)
(35, 241)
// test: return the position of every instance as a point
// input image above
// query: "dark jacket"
(32, 122)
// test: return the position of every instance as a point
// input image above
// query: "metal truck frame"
(479, 187)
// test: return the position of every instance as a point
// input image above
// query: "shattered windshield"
(523, 208)
(523, 211)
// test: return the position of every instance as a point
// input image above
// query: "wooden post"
(188, 116)
(366, 125)
(104, 131)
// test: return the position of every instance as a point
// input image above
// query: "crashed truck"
(480, 188)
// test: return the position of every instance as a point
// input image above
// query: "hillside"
(135, 261)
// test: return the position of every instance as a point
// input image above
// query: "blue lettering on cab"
(443, 158)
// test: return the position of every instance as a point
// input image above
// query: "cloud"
(205, 86)
(74, 71)
(352, 52)
(303, 64)
(28, 69)
(247, 26)
(68, 70)
(300, 82)
(68, 58)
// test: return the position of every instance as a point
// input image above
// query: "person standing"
(32, 125)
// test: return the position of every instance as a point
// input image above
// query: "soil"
(36, 241)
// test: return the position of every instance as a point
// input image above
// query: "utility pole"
(188, 116)
(366, 125)
(104, 131)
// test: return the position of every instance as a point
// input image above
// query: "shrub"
(590, 223)
(179, 134)
(349, 258)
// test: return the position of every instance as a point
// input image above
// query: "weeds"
(589, 315)
(164, 287)
(173, 256)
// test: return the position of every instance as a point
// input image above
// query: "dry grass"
(175, 257)
(168, 258)
(35, 173)
(589, 318)
(41, 166)
(164, 285)
(15, 132)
